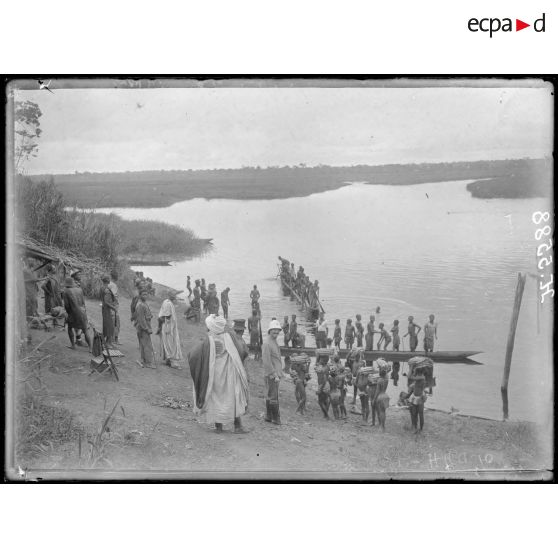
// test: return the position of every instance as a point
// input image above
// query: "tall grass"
(155, 237)
(43, 216)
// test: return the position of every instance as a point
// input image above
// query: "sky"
(100, 130)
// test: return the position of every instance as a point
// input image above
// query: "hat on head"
(274, 324)
(215, 324)
(239, 324)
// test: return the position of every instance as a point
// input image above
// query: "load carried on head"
(422, 366)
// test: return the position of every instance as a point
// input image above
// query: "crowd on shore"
(221, 388)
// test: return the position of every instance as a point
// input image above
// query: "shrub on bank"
(155, 237)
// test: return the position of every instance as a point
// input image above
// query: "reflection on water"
(403, 250)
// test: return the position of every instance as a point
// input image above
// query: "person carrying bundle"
(416, 400)
(338, 389)
(423, 366)
(299, 373)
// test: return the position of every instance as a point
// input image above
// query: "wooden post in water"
(511, 340)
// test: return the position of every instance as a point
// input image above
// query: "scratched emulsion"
(428, 248)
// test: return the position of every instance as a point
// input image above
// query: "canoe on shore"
(396, 356)
(149, 262)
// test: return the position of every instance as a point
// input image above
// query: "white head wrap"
(215, 324)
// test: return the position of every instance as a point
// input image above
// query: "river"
(420, 249)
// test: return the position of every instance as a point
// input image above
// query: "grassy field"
(163, 188)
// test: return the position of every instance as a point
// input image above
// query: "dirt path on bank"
(154, 429)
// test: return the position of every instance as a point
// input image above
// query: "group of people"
(65, 306)
(221, 390)
(362, 335)
(205, 301)
(167, 328)
(369, 379)
(308, 291)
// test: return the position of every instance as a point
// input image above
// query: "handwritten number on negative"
(539, 233)
(546, 246)
(539, 216)
(546, 288)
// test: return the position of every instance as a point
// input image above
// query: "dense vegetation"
(42, 215)
(163, 188)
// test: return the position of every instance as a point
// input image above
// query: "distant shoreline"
(517, 178)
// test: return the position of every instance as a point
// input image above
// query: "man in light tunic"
(221, 392)
(168, 330)
(273, 372)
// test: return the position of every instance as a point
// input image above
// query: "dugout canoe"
(397, 356)
(313, 309)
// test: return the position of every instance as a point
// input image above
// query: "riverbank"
(153, 430)
(164, 188)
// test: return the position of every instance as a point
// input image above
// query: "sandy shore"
(154, 431)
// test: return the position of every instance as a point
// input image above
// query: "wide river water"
(420, 249)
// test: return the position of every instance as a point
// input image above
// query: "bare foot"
(73, 347)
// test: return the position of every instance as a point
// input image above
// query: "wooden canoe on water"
(397, 356)
(314, 309)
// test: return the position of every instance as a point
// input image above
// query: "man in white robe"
(170, 350)
(221, 392)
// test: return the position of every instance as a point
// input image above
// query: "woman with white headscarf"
(220, 382)
(171, 352)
